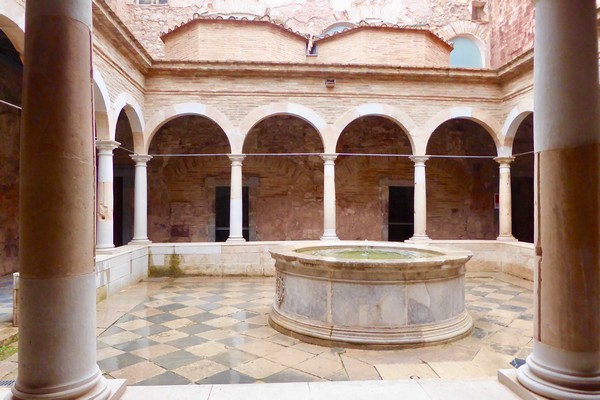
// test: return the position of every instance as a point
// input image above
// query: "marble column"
(236, 206)
(104, 195)
(140, 202)
(565, 363)
(420, 206)
(57, 332)
(505, 211)
(329, 211)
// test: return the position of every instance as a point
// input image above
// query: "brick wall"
(512, 23)
(228, 40)
(384, 46)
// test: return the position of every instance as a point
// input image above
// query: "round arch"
(399, 117)
(474, 31)
(12, 22)
(485, 120)
(101, 106)
(167, 114)
(296, 110)
(126, 102)
(512, 123)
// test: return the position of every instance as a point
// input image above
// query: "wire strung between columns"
(11, 105)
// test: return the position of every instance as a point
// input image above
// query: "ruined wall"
(10, 91)
(307, 16)
(512, 23)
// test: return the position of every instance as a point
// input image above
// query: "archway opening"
(374, 181)
(123, 182)
(286, 195)
(189, 164)
(522, 181)
(462, 182)
(11, 77)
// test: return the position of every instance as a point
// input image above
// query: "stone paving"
(207, 330)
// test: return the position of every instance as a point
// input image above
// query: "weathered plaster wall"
(10, 90)
(512, 24)
(307, 16)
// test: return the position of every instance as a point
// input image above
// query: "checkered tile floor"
(215, 330)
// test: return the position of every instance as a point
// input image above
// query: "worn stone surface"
(512, 29)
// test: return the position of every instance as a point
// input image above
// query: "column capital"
(236, 158)
(140, 158)
(504, 160)
(419, 159)
(329, 157)
(103, 144)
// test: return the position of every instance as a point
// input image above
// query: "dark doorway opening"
(522, 208)
(401, 213)
(222, 213)
(118, 210)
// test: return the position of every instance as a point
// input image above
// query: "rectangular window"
(478, 11)
(146, 2)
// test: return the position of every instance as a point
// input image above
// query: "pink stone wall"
(512, 24)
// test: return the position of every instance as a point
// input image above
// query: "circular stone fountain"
(377, 294)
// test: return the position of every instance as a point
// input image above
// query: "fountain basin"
(412, 298)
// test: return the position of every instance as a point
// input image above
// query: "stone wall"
(307, 16)
(10, 91)
(512, 25)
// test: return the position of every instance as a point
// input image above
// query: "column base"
(330, 237)
(135, 241)
(419, 238)
(562, 375)
(235, 239)
(98, 389)
(507, 238)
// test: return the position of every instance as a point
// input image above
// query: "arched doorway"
(375, 192)
(522, 181)
(288, 202)
(123, 182)
(462, 181)
(189, 166)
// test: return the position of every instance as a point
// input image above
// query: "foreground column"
(565, 363)
(140, 201)
(329, 224)
(505, 211)
(420, 207)
(57, 334)
(236, 206)
(104, 195)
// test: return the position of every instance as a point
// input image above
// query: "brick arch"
(167, 114)
(297, 110)
(482, 118)
(394, 114)
(477, 32)
(512, 123)
(126, 102)
(12, 22)
(101, 106)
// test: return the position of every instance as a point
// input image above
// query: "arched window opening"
(466, 53)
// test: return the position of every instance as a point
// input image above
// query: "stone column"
(57, 332)
(104, 195)
(565, 363)
(140, 201)
(420, 207)
(329, 211)
(504, 192)
(236, 206)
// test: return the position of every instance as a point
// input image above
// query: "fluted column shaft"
(140, 202)
(57, 296)
(329, 211)
(236, 206)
